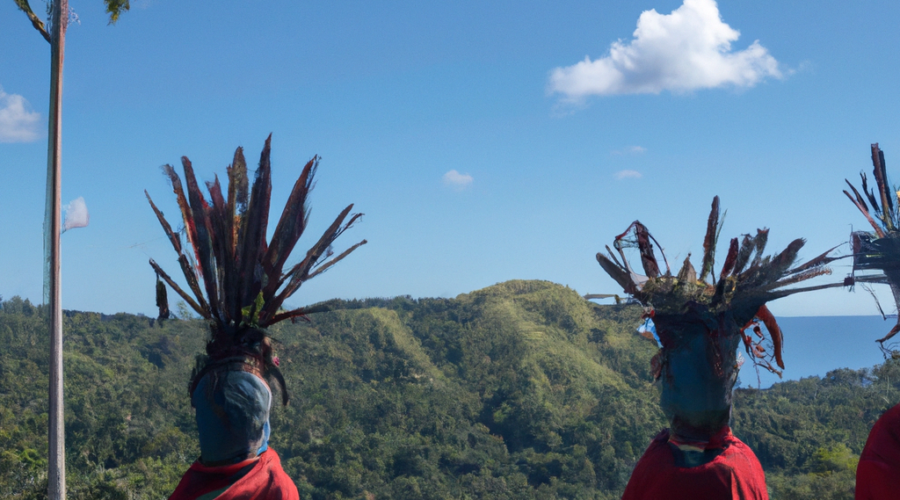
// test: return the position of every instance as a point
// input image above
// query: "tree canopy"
(113, 7)
(522, 390)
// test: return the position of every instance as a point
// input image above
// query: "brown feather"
(300, 272)
(868, 217)
(859, 197)
(186, 268)
(319, 270)
(747, 246)
(613, 257)
(162, 300)
(890, 334)
(648, 259)
(290, 227)
(190, 230)
(190, 274)
(217, 219)
(870, 194)
(203, 244)
(620, 275)
(253, 230)
(820, 260)
(173, 238)
(730, 259)
(187, 298)
(709, 242)
(774, 331)
(784, 260)
(883, 188)
(762, 237)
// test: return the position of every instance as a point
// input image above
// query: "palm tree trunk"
(57, 465)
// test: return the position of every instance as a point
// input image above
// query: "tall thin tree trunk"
(57, 473)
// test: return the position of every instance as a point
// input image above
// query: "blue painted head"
(232, 415)
(698, 374)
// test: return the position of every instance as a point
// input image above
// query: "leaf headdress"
(747, 280)
(237, 280)
(699, 319)
(879, 249)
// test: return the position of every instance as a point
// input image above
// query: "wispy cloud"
(630, 150)
(628, 174)
(77, 214)
(457, 180)
(686, 50)
(17, 122)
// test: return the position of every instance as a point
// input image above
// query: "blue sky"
(477, 141)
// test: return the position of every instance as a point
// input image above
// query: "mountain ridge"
(518, 390)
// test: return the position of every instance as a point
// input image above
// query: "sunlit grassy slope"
(520, 390)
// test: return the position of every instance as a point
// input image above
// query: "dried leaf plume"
(879, 249)
(746, 281)
(236, 279)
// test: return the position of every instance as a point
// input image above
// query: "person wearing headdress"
(699, 320)
(238, 282)
(878, 472)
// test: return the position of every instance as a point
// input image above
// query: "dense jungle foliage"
(522, 390)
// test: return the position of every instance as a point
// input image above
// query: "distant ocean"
(815, 345)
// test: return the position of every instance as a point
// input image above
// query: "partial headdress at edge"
(747, 280)
(878, 250)
(241, 274)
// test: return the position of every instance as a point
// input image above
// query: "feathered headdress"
(747, 280)
(243, 276)
(699, 321)
(878, 250)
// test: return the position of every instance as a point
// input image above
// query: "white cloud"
(631, 150)
(686, 50)
(457, 180)
(628, 174)
(17, 122)
(76, 214)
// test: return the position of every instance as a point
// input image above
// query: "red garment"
(878, 472)
(260, 477)
(734, 474)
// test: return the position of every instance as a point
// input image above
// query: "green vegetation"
(522, 390)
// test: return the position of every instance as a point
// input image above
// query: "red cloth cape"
(255, 478)
(734, 474)
(878, 472)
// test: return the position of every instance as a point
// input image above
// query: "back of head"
(232, 411)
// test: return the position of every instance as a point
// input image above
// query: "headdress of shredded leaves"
(746, 281)
(237, 279)
(878, 250)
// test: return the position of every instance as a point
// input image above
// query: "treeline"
(522, 390)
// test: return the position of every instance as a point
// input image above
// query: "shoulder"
(878, 472)
(280, 485)
(884, 439)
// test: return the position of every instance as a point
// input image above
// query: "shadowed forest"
(522, 390)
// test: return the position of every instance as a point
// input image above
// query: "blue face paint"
(265, 440)
(698, 377)
(232, 415)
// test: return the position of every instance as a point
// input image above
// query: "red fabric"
(260, 477)
(878, 472)
(734, 474)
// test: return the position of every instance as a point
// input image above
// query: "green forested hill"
(521, 390)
